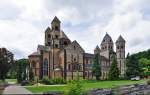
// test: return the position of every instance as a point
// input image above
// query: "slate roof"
(97, 48)
(56, 19)
(44, 48)
(107, 38)
(120, 39)
(88, 55)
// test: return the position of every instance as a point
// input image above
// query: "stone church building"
(62, 58)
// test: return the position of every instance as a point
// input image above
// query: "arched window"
(56, 28)
(69, 67)
(45, 67)
(65, 43)
(33, 64)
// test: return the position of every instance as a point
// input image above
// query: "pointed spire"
(107, 38)
(47, 29)
(56, 20)
(97, 48)
(120, 39)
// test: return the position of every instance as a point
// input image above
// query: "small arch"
(33, 64)
(56, 28)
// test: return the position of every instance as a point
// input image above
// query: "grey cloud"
(135, 42)
(87, 9)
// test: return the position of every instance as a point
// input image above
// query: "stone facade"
(62, 58)
(107, 52)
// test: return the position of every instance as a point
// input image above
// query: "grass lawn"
(87, 85)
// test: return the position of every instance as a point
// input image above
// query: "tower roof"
(97, 48)
(47, 29)
(107, 38)
(120, 39)
(63, 35)
(56, 20)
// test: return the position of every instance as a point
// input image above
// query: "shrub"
(75, 87)
(46, 80)
(58, 81)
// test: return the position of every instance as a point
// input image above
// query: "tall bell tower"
(55, 24)
(120, 52)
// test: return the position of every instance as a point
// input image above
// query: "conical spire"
(47, 29)
(107, 38)
(120, 39)
(97, 48)
(56, 20)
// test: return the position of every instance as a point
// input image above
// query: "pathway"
(13, 89)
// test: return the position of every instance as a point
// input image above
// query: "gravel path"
(13, 89)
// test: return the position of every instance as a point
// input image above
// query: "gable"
(74, 46)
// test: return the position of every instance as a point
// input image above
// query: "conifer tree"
(114, 71)
(96, 69)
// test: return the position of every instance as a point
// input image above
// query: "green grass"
(40, 89)
(87, 85)
(11, 81)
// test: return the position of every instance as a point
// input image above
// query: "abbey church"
(60, 57)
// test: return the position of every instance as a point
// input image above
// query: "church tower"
(55, 24)
(52, 34)
(106, 46)
(120, 52)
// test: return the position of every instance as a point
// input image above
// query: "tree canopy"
(22, 68)
(6, 60)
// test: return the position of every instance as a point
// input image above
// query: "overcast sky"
(23, 22)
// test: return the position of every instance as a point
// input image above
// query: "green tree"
(22, 68)
(133, 68)
(31, 75)
(114, 71)
(6, 60)
(74, 87)
(12, 74)
(96, 68)
(145, 63)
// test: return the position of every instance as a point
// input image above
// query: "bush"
(75, 87)
(27, 83)
(58, 81)
(46, 80)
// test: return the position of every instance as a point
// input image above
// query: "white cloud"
(22, 25)
(19, 35)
